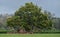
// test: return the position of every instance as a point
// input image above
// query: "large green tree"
(30, 18)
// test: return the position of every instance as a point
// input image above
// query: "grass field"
(29, 35)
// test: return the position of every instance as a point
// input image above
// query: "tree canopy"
(30, 18)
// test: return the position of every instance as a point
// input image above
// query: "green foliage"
(29, 17)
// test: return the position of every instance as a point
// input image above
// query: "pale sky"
(10, 6)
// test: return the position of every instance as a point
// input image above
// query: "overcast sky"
(10, 6)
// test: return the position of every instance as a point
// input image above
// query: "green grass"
(29, 35)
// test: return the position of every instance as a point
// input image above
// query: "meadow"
(29, 35)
